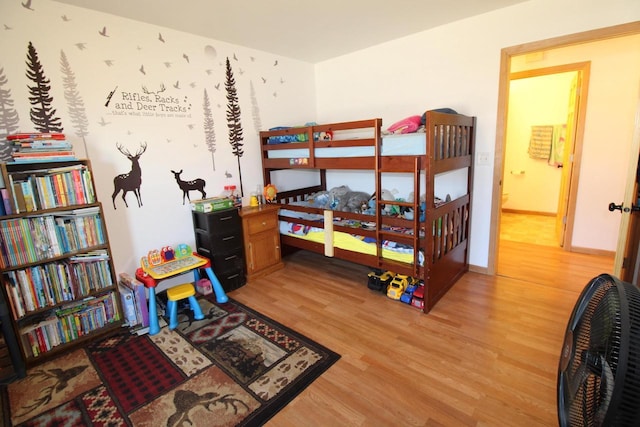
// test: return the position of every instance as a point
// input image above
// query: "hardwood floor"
(486, 355)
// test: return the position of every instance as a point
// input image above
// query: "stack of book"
(40, 147)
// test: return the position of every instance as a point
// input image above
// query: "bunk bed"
(433, 233)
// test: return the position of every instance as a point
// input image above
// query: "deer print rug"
(234, 367)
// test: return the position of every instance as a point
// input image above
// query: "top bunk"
(445, 144)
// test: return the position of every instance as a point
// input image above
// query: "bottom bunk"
(442, 253)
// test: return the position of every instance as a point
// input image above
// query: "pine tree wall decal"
(233, 119)
(42, 114)
(255, 109)
(77, 113)
(9, 119)
(209, 131)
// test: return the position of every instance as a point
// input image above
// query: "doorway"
(542, 118)
(575, 40)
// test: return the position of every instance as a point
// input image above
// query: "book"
(18, 197)
(128, 305)
(35, 136)
(6, 201)
(140, 295)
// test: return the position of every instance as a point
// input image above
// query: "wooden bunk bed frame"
(443, 237)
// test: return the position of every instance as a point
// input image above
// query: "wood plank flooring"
(486, 355)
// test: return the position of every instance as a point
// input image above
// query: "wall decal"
(102, 122)
(255, 109)
(209, 130)
(81, 46)
(65, 18)
(27, 5)
(210, 52)
(42, 114)
(106, 104)
(160, 37)
(156, 103)
(75, 104)
(131, 180)
(9, 119)
(103, 32)
(186, 186)
(233, 119)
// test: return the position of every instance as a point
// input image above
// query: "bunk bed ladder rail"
(417, 247)
(413, 166)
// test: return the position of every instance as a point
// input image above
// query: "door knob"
(613, 207)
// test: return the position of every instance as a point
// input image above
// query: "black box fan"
(599, 370)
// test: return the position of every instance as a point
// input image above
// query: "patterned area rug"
(235, 367)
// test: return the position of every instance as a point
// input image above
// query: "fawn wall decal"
(186, 186)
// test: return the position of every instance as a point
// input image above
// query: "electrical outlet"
(483, 158)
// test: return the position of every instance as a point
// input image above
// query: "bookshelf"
(57, 275)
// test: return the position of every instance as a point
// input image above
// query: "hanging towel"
(557, 145)
(540, 142)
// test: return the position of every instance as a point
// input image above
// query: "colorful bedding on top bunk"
(392, 145)
(347, 241)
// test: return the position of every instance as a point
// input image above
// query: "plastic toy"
(408, 293)
(397, 286)
(270, 192)
(378, 280)
(168, 254)
(417, 300)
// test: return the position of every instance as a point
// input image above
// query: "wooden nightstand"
(261, 240)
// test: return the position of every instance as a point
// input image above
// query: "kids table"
(150, 275)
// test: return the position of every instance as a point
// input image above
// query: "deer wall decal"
(129, 181)
(186, 186)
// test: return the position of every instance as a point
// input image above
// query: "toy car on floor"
(408, 293)
(379, 280)
(397, 286)
(417, 300)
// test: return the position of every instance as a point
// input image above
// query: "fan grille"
(599, 374)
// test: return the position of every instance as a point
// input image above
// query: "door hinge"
(564, 220)
(625, 263)
(571, 157)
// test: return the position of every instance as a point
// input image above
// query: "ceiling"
(310, 31)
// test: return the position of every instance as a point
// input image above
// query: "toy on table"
(160, 265)
(270, 193)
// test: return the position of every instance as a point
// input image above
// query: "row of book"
(41, 286)
(50, 188)
(32, 239)
(40, 147)
(69, 323)
(134, 302)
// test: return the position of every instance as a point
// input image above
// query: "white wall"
(457, 66)
(271, 90)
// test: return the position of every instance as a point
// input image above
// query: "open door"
(627, 261)
(567, 161)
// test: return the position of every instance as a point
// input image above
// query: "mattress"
(350, 242)
(392, 145)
